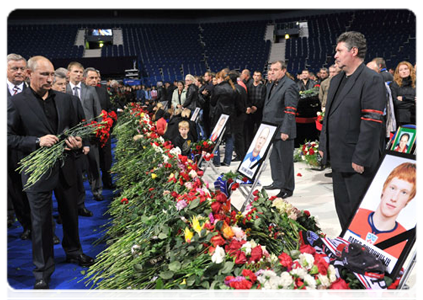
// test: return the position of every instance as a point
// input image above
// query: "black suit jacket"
(26, 121)
(353, 122)
(104, 98)
(280, 106)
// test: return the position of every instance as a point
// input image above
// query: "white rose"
(306, 260)
(332, 273)
(300, 272)
(286, 280)
(309, 280)
(192, 174)
(218, 255)
(324, 280)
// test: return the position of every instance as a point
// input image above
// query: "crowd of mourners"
(241, 95)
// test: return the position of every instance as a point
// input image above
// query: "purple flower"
(372, 294)
(181, 205)
(236, 279)
(211, 218)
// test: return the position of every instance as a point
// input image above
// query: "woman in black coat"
(192, 93)
(223, 102)
(403, 90)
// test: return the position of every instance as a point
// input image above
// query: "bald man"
(35, 118)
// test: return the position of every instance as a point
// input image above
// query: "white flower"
(306, 260)
(192, 174)
(286, 280)
(324, 280)
(218, 255)
(272, 258)
(161, 139)
(239, 233)
(332, 273)
(309, 280)
(165, 158)
(300, 272)
(246, 248)
(135, 248)
(175, 151)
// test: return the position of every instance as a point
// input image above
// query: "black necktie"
(75, 91)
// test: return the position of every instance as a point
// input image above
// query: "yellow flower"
(142, 115)
(184, 281)
(188, 235)
(153, 175)
(196, 225)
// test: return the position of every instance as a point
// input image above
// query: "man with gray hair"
(350, 136)
(17, 201)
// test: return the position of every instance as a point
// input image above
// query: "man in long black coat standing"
(34, 119)
(280, 107)
(350, 136)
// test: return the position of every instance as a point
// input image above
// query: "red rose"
(220, 197)
(311, 151)
(200, 173)
(256, 254)
(234, 247)
(307, 249)
(285, 260)
(299, 175)
(321, 263)
(250, 274)
(217, 240)
(216, 206)
(240, 258)
(245, 179)
(339, 284)
(307, 213)
(256, 192)
(241, 285)
(124, 200)
(235, 186)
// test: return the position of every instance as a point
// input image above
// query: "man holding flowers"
(35, 119)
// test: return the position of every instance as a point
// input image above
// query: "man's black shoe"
(236, 159)
(283, 194)
(98, 197)
(56, 240)
(224, 164)
(328, 175)
(84, 212)
(271, 187)
(41, 285)
(82, 259)
(26, 235)
(10, 222)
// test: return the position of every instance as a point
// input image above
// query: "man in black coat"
(17, 201)
(280, 107)
(59, 84)
(34, 119)
(350, 136)
(92, 109)
(92, 79)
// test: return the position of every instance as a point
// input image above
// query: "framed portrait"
(385, 220)
(258, 150)
(218, 129)
(404, 140)
(195, 114)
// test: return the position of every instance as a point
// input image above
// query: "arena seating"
(170, 51)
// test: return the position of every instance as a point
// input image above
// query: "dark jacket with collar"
(280, 106)
(89, 100)
(353, 123)
(191, 97)
(405, 110)
(223, 102)
(26, 121)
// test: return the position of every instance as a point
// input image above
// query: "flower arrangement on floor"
(310, 153)
(170, 230)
